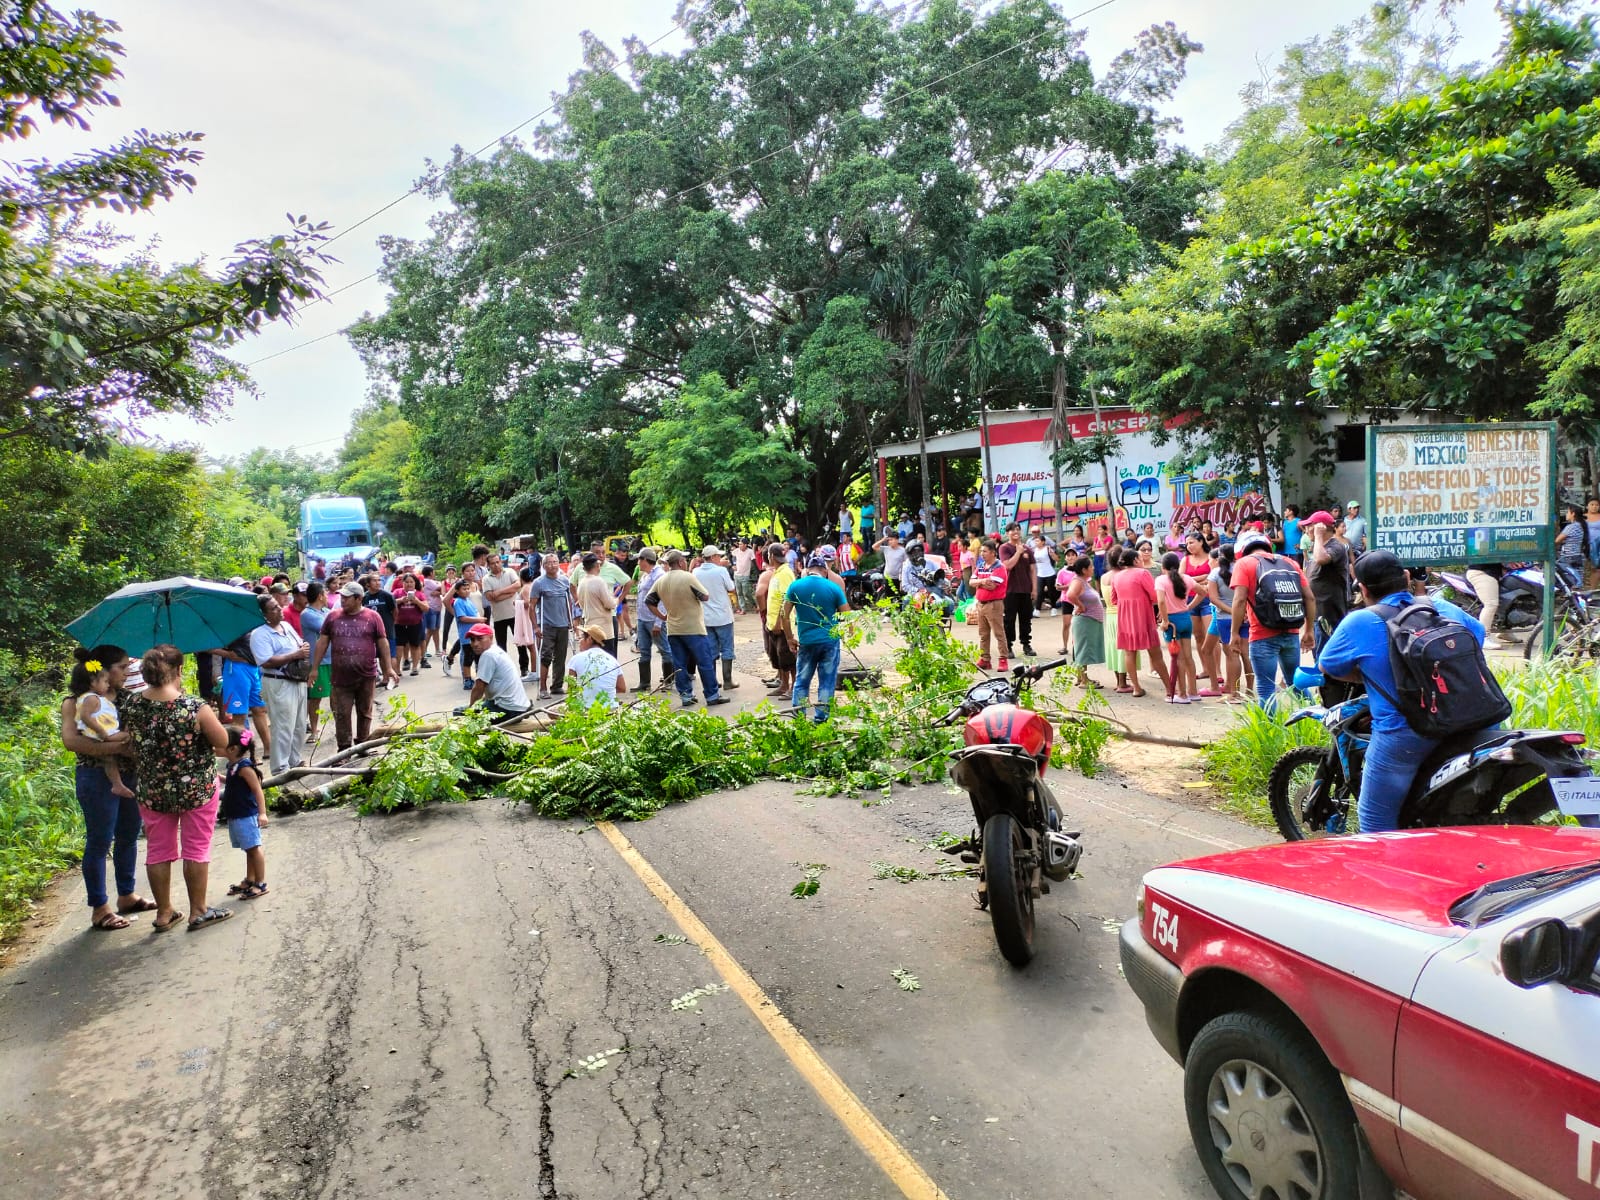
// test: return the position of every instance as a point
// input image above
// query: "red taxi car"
(1403, 1014)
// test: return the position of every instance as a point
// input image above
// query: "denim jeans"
(722, 638)
(1391, 764)
(650, 638)
(110, 823)
(690, 652)
(822, 660)
(1268, 656)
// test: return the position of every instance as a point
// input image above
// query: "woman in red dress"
(1136, 622)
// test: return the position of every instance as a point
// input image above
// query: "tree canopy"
(787, 205)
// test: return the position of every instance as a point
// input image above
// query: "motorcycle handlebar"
(1038, 670)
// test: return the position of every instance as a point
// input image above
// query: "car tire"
(1267, 1113)
(1281, 799)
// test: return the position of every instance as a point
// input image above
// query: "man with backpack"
(1422, 661)
(1271, 591)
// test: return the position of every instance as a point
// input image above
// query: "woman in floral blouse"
(178, 738)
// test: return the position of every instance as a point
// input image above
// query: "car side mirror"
(1537, 954)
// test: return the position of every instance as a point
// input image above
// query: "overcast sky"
(330, 109)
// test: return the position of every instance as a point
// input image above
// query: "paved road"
(407, 1012)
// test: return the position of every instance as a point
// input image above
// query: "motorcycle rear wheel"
(1008, 887)
(1292, 777)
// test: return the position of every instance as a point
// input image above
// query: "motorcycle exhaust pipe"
(1061, 854)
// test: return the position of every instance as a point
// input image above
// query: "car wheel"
(1267, 1113)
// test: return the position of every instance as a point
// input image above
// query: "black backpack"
(1280, 599)
(1444, 682)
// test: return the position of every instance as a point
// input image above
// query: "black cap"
(1377, 567)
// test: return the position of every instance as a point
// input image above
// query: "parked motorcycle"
(1465, 781)
(867, 591)
(1522, 610)
(1018, 843)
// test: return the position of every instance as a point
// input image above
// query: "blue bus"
(335, 530)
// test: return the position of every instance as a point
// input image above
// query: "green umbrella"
(190, 614)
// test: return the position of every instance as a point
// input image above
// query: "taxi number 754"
(1163, 927)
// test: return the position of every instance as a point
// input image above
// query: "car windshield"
(1507, 895)
(329, 539)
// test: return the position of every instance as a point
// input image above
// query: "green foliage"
(1554, 694)
(1206, 336)
(41, 827)
(906, 980)
(1438, 271)
(86, 342)
(375, 464)
(569, 294)
(422, 770)
(811, 883)
(704, 465)
(278, 480)
(628, 764)
(884, 870)
(1241, 760)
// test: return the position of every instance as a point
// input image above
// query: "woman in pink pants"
(178, 738)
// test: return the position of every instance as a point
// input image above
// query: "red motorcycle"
(1018, 844)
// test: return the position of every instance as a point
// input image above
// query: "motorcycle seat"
(1461, 743)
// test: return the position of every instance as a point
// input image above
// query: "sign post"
(1484, 493)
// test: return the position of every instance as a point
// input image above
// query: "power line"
(727, 174)
(433, 175)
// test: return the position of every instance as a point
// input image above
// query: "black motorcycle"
(1465, 781)
(1018, 844)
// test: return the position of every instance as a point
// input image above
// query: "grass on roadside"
(1547, 695)
(1241, 760)
(41, 829)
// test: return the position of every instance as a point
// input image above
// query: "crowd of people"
(1223, 613)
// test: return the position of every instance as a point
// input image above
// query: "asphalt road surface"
(409, 1011)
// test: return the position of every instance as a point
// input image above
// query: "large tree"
(86, 342)
(701, 212)
(1204, 341)
(1444, 276)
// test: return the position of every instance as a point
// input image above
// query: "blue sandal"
(211, 916)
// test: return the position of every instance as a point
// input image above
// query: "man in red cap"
(498, 681)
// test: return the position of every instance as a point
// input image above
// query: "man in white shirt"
(597, 676)
(718, 610)
(500, 588)
(274, 646)
(894, 556)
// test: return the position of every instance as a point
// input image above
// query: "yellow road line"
(881, 1146)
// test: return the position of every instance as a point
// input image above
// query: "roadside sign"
(1463, 493)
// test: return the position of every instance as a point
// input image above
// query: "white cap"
(1249, 540)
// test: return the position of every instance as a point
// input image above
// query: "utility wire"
(434, 175)
(688, 191)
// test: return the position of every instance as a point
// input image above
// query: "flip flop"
(211, 916)
(142, 905)
(177, 918)
(111, 921)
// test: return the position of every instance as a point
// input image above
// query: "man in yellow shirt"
(771, 590)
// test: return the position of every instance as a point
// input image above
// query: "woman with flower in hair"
(110, 818)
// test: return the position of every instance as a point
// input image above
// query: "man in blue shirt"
(1359, 649)
(811, 609)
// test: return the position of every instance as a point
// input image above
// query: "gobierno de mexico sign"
(1463, 493)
